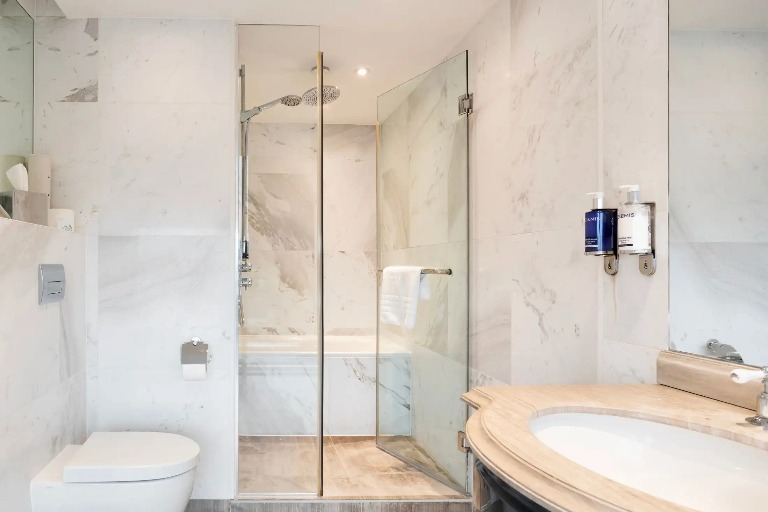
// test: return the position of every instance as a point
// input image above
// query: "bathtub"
(278, 386)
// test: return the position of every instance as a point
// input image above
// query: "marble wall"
(634, 130)
(718, 189)
(533, 156)
(139, 118)
(43, 372)
(282, 197)
(570, 97)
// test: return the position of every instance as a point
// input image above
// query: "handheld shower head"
(289, 101)
(330, 94)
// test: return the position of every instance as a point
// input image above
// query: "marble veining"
(282, 229)
(42, 378)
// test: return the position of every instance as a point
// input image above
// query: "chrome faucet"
(742, 377)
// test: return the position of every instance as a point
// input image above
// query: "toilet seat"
(131, 457)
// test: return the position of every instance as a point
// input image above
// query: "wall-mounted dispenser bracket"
(611, 264)
(647, 262)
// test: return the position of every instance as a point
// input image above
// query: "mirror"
(16, 87)
(718, 178)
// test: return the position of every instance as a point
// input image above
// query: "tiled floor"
(354, 468)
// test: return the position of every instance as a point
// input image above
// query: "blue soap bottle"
(600, 234)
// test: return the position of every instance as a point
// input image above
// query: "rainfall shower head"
(330, 94)
(289, 101)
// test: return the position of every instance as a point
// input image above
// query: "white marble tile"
(436, 412)
(635, 99)
(733, 65)
(71, 135)
(625, 363)
(717, 290)
(636, 307)
(282, 148)
(491, 307)
(45, 8)
(16, 129)
(283, 298)
(168, 169)
(154, 294)
(278, 395)
(67, 60)
(349, 297)
(167, 61)
(393, 185)
(554, 309)
(42, 345)
(157, 292)
(437, 155)
(349, 188)
(33, 435)
(281, 212)
(394, 395)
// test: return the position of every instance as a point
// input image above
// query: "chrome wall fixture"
(431, 271)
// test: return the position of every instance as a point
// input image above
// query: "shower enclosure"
(331, 403)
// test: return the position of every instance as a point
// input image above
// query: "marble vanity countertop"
(500, 437)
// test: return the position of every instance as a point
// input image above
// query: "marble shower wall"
(282, 201)
(42, 348)
(718, 186)
(139, 118)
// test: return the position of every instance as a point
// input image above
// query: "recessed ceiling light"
(362, 71)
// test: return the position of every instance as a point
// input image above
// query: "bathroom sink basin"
(689, 468)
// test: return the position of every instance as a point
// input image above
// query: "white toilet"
(119, 472)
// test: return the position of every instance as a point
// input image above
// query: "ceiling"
(395, 39)
(730, 15)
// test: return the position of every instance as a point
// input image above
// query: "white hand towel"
(401, 289)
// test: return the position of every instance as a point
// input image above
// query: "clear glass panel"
(279, 342)
(422, 192)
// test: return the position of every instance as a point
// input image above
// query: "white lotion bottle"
(634, 224)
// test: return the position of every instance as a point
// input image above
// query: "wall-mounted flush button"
(51, 284)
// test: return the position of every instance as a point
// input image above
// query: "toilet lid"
(131, 457)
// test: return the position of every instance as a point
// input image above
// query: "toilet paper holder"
(195, 351)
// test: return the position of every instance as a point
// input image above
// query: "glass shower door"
(280, 336)
(422, 220)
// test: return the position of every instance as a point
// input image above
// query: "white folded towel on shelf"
(401, 290)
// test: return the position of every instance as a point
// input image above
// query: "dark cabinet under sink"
(492, 494)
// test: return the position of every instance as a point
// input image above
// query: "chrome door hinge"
(466, 102)
(462, 443)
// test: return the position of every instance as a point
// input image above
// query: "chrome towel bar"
(436, 271)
